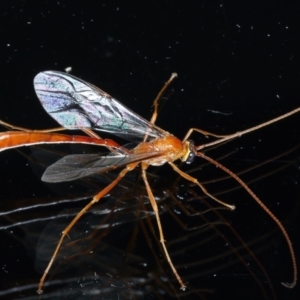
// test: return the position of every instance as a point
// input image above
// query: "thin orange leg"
(95, 199)
(156, 100)
(10, 126)
(194, 180)
(161, 235)
(244, 185)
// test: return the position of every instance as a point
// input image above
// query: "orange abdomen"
(13, 139)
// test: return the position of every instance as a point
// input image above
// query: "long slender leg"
(244, 185)
(205, 133)
(95, 199)
(161, 235)
(10, 126)
(88, 131)
(156, 100)
(194, 180)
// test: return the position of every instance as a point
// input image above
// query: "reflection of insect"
(75, 104)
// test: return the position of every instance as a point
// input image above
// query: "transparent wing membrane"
(74, 104)
(76, 166)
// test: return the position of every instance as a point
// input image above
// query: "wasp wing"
(76, 104)
(76, 166)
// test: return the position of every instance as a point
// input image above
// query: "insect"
(76, 104)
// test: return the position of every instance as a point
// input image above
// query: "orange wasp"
(76, 104)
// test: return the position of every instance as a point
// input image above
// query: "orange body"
(13, 139)
(169, 149)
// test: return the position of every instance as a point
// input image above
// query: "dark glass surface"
(238, 66)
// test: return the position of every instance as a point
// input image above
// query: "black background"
(238, 65)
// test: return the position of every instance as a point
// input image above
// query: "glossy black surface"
(238, 66)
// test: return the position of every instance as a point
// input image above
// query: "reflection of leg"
(266, 209)
(161, 236)
(95, 199)
(194, 180)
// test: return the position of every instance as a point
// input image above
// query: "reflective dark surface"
(238, 66)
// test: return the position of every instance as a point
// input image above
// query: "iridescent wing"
(76, 104)
(76, 166)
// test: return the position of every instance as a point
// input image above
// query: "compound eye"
(191, 157)
(192, 154)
